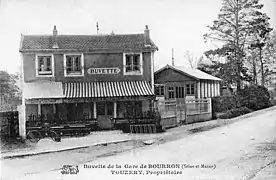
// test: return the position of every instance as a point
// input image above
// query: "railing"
(198, 106)
(54, 120)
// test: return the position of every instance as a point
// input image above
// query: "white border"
(52, 63)
(82, 65)
(124, 64)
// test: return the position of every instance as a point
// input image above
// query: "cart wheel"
(54, 136)
(34, 136)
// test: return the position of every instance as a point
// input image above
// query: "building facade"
(174, 82)
(69, 77)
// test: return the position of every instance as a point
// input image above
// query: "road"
(245, 149)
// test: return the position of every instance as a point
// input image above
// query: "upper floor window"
(159, 90)
(133, 64)
(73, 64)
(44, 65)
(190, 89)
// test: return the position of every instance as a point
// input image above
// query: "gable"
(171, 75)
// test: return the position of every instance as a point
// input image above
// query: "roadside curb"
(60, 150)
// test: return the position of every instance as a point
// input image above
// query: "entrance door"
(104, 113)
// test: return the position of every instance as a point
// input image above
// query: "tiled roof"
(195, 73)
(85, 42)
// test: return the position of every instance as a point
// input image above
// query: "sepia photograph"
(138, 89)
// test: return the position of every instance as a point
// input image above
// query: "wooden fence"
(9, 124)
(174, 112)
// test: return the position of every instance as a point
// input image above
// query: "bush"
(235, 113)
(224, 103)
(255, 97)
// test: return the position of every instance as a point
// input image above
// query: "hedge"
(253, 97)
(235, 113)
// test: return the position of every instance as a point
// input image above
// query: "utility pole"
(172, 58)
(97, 25)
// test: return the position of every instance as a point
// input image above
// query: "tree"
(192, 59)
(260, 33)
(233, 28)
(9, 92)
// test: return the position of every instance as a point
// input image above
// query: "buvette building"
(70, 77)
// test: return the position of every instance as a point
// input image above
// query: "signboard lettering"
(103, 71)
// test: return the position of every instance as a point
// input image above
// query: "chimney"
(147, 36)
(55, 32)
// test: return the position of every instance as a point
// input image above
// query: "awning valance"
(106, 89)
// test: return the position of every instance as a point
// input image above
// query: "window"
(159, 90)
(73, 65)
(133, 108)
(179, 92)
(190, 88)
(44, 65)
(133, 64)
(171, 92)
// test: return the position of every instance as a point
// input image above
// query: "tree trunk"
(255, 79)
(262, 68)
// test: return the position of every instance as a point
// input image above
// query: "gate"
(168, 113)
(9, 123)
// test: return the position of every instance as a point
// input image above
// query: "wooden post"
(198, 90)
(39, 109)
(115, 110)
(95, 109)
(205, 89)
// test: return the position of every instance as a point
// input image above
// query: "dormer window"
(133, 64)
(44, 65)
(73, 64)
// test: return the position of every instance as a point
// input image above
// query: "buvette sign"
(103, 71)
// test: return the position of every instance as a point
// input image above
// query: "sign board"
(103, 71)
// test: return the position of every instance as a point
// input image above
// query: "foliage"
(9, 91)
(235, 113)
(225, 103)
(237, 21)
(255, 97)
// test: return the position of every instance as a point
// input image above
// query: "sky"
(177, 24)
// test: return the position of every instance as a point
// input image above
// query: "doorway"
(104, 113)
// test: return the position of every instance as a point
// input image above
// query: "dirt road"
(243, 150)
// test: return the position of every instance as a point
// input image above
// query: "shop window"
(44, 65)
(100, 108)
(133, 64)
(179, 92)
(73, 65)
(109, 108)
(171, 92)
(133, 108)
(190, 89)
(159, 90)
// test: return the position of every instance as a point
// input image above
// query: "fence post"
(210, 105)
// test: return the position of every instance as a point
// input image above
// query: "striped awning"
(106, 89)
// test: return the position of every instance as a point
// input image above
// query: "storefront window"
(100, 108)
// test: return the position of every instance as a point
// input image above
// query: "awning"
(106, 89)
(42, 90)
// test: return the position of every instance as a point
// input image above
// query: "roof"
(194, 73)
(85, 42)
(86, 89)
